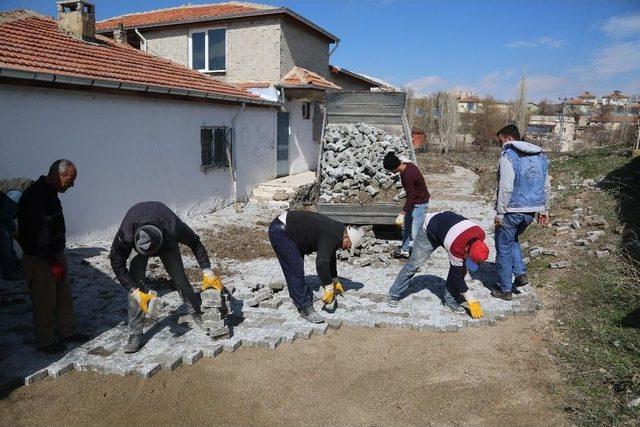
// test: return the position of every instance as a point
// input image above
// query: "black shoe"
(499, 293)
(77, 337)
(54, 348)
(400, 254)
(520, 281)
(134, 344)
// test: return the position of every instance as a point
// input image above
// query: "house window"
(215, 144)
(306, 110)
(207, 50)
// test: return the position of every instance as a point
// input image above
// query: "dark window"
(318, 118)
(217, 47)
(306, 110)
(197, 51)
(215, 144)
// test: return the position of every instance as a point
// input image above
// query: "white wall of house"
(129, 149)
(303, 151)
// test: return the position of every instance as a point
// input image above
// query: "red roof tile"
(249, 85)
(36, 44)
(181, 13)
(299, 76)
(616, 95)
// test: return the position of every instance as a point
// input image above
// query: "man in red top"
(413, 211)
(464, 242)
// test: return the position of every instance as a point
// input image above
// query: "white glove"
(400, 220)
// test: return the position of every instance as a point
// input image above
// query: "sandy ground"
(482, 376)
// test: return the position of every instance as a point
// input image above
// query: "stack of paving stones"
(214, 306)
(351, 163)
(371, 252)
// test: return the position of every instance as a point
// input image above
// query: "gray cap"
(148, 239)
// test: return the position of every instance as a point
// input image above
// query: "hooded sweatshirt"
(516, 151)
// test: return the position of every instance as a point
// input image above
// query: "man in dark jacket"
(152, 229)
(10, 192)
(464, 242)
(413, 211)
(41, 233)
(295, 234)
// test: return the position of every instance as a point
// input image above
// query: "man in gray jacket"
(523, 192)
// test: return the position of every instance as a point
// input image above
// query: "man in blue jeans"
(412, 215)
(523, 192)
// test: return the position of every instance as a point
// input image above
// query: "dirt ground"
(498, 375)
(237, 243)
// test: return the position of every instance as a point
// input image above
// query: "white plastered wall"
(129, 149)
(303, 151)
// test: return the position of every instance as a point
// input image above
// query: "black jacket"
(314, 232)
(174, 231)
(41, 225)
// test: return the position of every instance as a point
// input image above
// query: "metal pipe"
(146, 45)
(232, 159)
(334, 48)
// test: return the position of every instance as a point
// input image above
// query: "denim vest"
(530, 176)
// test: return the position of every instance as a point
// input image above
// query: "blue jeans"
(508, 252)
(292, 263)
(422, 250)
(8, 207)
(412, 223)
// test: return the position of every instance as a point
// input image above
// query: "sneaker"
(310, 315)
(392, 302)
(453, 305)
(134, 344)
(77, 337)
(499, 293)
(399, 253)
(54, 348)
(520, 281)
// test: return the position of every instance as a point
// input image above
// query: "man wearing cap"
(152, 229)
(464, 242)
(295, 234)
(413, 211)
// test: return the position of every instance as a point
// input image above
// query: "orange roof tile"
(616, 95)
(299, 76)
(174, 14)
(36, 44)
(579, 102)
(249, 85)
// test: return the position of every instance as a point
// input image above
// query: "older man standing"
(523, 192)
(41, 231)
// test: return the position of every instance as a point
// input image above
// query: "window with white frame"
(207, 50)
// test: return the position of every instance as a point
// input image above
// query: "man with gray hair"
(41, 233)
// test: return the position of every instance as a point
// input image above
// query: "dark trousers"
(292, 263)
(172, 261)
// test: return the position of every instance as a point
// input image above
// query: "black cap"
(391, 161)
(148, 240)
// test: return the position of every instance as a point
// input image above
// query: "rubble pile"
(351, 164)
(371, 252)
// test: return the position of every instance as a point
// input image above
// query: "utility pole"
(561, 120)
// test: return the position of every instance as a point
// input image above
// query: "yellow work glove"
(400, 220)
(143, 299)
(329, 294)
(337, 287)
(211, 281)
(474, 309)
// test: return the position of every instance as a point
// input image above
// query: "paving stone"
(58, 369)
(212, 350)
(192, 356)
(148, 370)
(36, 376)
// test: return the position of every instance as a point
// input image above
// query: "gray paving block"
(333, 322)
(148, 370)
(191, 357)
(58, 369)
(320, 328)
(232, 344)
(212, 350)
(36, 376)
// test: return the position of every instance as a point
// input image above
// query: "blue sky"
(564, 47)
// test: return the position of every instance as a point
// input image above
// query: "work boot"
(499, 293)
(54, 348)
(392, 302)
(310, 315)
(453, 305)
(399, 253)
(134, 344)
(520, 281)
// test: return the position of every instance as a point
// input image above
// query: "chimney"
(77, 18)
(120, 35)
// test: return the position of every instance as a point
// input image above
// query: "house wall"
(303, 48)
(303, 151)
(129, 149)
(348, 83)
(253, 48)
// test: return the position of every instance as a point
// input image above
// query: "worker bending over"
(464, 242)
(152, 229)
(294, 234)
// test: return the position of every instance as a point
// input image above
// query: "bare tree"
(449, 121)
(410, 106)
(487, 122)
(520, 110)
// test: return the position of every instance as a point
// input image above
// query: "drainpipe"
(334, 48)
(232, 164)
(146, 46)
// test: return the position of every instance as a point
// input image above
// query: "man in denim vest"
(523, 192)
